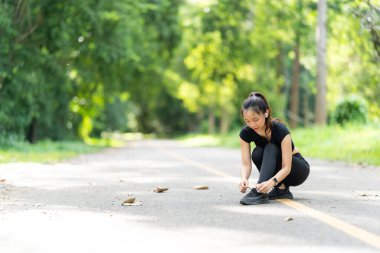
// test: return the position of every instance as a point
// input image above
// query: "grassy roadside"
(49, 151)
(350, 144)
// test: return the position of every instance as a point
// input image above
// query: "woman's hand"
(243, 185)
(266, 186)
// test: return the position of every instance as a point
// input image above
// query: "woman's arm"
(246, 164)
(286, 149)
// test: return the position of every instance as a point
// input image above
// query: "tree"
(296, 70)
(61, 63)
(320, 106)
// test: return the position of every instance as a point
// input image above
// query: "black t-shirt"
(279, 131)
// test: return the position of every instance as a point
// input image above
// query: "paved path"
(76, 206)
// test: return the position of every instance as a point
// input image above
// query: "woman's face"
(254, 120)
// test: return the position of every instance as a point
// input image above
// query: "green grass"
(352, 144)
(47, 151)
(13, 150)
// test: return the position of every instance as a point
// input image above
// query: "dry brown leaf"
(200, 187)
(288, 219)
(2, 180)
(130, 200)
(160, 189)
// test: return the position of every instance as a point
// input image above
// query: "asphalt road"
(76, 206)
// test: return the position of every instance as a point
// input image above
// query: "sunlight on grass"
(44, 151)
(201, 141)
(114, 143)
(50, 152)
(353, 144)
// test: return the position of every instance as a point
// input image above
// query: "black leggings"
(268, 161)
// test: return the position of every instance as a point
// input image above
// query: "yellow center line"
(340, 225)
(201, 166)
(349, 229)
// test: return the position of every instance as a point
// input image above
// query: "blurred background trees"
(74, 69)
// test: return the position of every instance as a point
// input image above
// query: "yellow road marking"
(345, 227)
(202, 166)
(351, 230)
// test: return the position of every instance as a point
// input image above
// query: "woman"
(279, 163)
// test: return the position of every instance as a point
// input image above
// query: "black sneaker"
(254, 198)
(277, 193)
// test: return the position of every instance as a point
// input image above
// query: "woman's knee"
(273, 151)
(257, 154)
(271, 147)
(298, 175)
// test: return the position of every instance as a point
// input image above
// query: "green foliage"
(74, 69)
(352, 58)
(350, 110)
(220, 63)
(61, 63)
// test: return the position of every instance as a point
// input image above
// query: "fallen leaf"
(130, 200)
(200, 187)
(2, 180)
(288, 219)
(160, 189)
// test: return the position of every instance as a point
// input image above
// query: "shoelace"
(252, 192)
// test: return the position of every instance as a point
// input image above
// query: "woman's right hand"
(244, 185)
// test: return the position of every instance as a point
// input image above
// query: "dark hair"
(258, 104)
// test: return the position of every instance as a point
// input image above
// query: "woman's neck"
(261, 132)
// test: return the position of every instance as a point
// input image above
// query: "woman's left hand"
(265, 186)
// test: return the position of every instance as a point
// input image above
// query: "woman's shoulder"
(278, 123)
(245, 131)
(279, 126)
(245, 128)
(247, 134)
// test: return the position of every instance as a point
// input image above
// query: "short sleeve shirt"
(278, 133)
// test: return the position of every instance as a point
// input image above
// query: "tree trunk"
(306, 108)
(225, 123)
(320, 103)
(31, 135)
(211, 121)
(295, 84)
(280, 67)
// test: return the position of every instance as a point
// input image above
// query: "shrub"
(352, 109)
